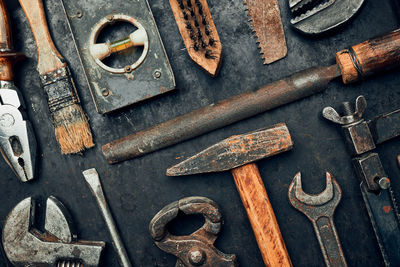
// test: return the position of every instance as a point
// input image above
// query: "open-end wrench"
(319, 209)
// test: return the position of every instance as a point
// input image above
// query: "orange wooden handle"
(6, 73)
(49, 59)
(261, 216)
(370, 57)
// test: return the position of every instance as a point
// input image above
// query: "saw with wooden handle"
(266, 20)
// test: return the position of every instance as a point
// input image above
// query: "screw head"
(196, 256)
(110, 18)
(384, 183)
(157, 74)
(128, 69)
(105, 92)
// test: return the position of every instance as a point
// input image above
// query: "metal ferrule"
(60, 89)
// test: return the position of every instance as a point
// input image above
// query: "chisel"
(353, 64)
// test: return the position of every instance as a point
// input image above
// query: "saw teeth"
(302, 12)
(394, 202)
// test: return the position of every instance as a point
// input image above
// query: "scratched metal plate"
(111, 91)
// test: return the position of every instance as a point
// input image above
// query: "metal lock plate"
(115, 87)
(369, 169)
(359, 138)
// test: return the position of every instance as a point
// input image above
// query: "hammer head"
(236, 151)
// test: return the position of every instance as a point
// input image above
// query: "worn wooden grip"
(261, 216)
(369, 57)
(49, 59)
(6, 46)
(5, 28)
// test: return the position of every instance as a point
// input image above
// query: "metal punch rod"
(93, 180)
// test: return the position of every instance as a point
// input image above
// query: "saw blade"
(384, 217)
(267, 24)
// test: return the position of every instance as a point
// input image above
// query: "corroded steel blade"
(236, 151)
(267, 24)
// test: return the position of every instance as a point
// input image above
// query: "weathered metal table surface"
(138, 189)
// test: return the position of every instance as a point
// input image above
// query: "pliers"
(17, 140)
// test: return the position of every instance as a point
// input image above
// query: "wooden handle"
(6, 46)
(261, 216)
(49, 59)
(369, 57)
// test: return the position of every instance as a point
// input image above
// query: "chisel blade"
(266, 21)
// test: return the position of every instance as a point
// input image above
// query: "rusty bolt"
(110, 18)
(128, 69)
(79, 14)
(157, 74)
(196, 256)
(384, 183)
(105, 92)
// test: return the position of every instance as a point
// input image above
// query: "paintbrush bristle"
(72, 129)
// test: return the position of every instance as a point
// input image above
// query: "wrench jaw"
(17, 140)
(315, 206)
(26, 246)
(322, 17)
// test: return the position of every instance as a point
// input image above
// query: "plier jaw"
(17, 140)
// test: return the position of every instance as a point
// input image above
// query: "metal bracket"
(113, 88)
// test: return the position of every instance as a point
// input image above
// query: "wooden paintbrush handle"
(370, 57)
(49, 59)
(261, 216)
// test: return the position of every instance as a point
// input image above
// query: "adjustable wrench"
(319, 209)
(26, 246)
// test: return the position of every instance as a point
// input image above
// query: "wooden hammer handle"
(49, 59)
(369, 57)
(261, 215)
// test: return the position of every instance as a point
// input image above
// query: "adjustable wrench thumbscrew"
(319, 209)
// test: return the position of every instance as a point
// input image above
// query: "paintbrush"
(72, 129)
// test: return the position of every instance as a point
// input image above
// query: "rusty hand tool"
(320, 209)
(72, 129)
(352, 64)
(266, 20)
(361, 138)
(17, 139)
(196, 249)
(237, 154)
(199, 33)
(114, 85)
(57, 246)
(93, 181)
(315, 16)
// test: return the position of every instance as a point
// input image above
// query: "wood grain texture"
(267, 24)
(369, 57)
(5, 28)
(6, 46)
(261, 215)
(49, 59)
(212, 64)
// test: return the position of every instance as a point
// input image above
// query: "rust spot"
(387, 209)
